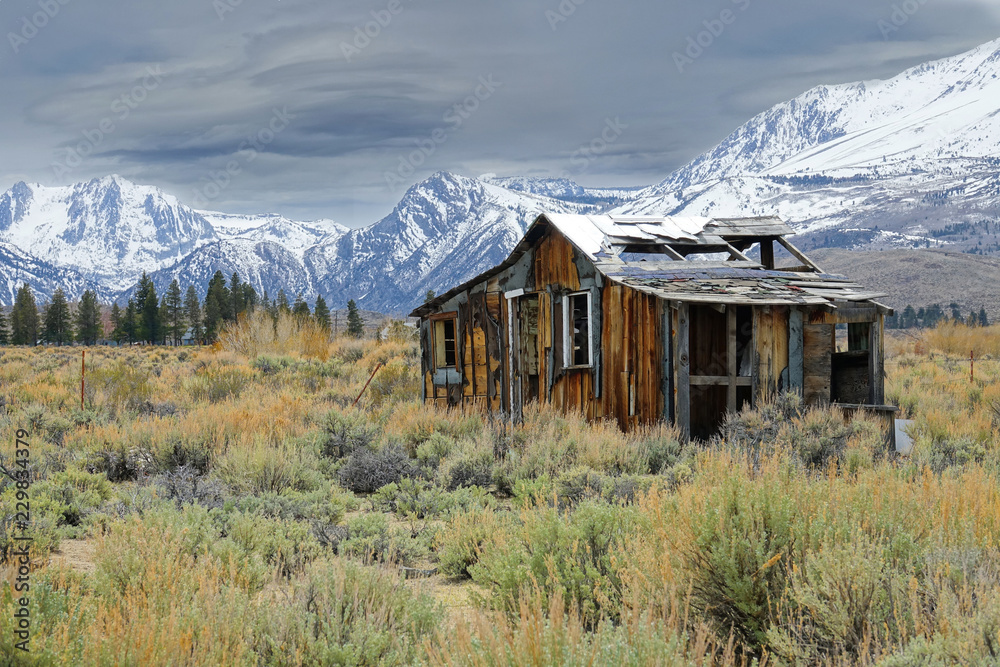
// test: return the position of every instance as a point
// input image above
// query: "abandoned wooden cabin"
(642, 319)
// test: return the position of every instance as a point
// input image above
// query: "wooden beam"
(736, 254)
(767, 253)
(719, 381)
(683, 357)
(673, 254)
(667, 381)
(796, 370)
(732, 367)
(876, 362)
(798, 254)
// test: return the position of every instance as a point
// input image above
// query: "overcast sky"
(313, 109)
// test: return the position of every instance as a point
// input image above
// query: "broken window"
(577, 346)
(445, 342)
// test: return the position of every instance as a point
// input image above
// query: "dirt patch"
(77, 555)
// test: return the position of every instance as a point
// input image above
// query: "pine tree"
(147, 306)
(216, 306)
(355, 325)
(322, 314)
(174, 321)
(301, 308)
(24, 320)
(429, 296)
(909, 318)
(282, 302)
(131, 323)
(237, 296)
(250, 298)
(192, 312)
(58, 327)
(118, 333)
(88, 319)
(984, 321)
(4, 332)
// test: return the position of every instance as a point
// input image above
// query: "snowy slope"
(264, 264)
(296, 237)
(907, 162)
(446, 229)
(108, 229)
(18, 268)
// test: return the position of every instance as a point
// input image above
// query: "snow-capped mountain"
(18, 267)
(446, 229)
(907, 161)
(110, 230)
(295, 237)
(565, 190)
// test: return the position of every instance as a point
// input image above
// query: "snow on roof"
(590, 233)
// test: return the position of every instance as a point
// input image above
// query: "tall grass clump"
(258, 333)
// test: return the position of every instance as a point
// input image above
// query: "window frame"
(436, 320)
(568, 331)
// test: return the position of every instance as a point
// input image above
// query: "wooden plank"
(779, 339)
(796, 374)
(682, 354)
(732, 369)
(667, 372)
(764, 341)
(857, 314)
(719, 381)
(876, 365)
(767, 253)
(817, 364)
(798, 254)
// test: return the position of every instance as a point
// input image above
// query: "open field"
(228, 506)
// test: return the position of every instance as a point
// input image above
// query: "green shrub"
(260, 469)
(344, 433)
(366, 471)
(578, 484)
(216, 383)
(342, 614)
(412, 498)
(459, 544)
(572, 553)
(370, 539)
(287, 545)
(467, 466)
(124, 385)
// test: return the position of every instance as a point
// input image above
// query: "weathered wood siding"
(653, 359)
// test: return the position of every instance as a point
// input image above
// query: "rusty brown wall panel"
(817, 368)
(554, 263)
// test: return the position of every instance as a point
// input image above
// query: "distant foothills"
(175, 318)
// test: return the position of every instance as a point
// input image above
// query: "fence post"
(972, 367)
(83, 375)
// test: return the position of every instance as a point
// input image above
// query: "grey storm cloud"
(365, 83)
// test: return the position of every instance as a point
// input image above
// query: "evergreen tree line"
(930, 316)
(158, 320)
